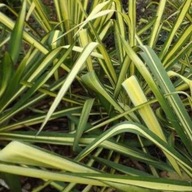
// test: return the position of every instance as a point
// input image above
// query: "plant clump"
(95, 95)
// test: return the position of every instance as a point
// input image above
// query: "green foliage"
(120, 82)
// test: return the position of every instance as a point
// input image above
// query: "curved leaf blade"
(71, 76)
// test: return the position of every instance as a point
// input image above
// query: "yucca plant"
(120, 82)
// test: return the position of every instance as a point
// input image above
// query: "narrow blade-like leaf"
(72, 75)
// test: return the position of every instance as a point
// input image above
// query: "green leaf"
(92, 81)
(157, 25)
(185, 7)
(144, 182)
(122, 168)
(41, 14)
(17, 34)
(132, 17)
(48, 175)
(135, 92)
(142, 131)
(36, 78)
(82, 122)
(179, 48)
(22, 153)
(68, 139)
(96, 12)
(167, 87)
(72, 75)
(17, 152)
(13, 181)
(158, 72)
(31, 40)
(6, 71)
